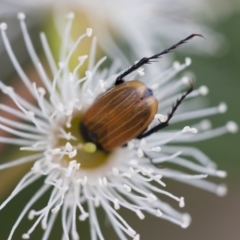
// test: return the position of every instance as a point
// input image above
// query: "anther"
(222, 107)
(84, 181)
(186, 129)
(176, 65)
(88, 74)
(181, 202)
(221, 174)
(21, 16)
(81, 59)
(25, 236)
(188, 61)
(68, 147)
(151, 198)
(115, 171)
(232, 127)
(127, 188)
(193, 130)
(105, 182)
(70, 16)
(100, 182)
(31, 215)
(96, 202)
(185, 80)
(206, 124)
(42, 91)
(116, 204)
(55, 210)
(89, 147)
(137, 237)
(140, 71)
(83, 216)
(159, 213)
(56, 151)
(161, 118)
(221, 190)
(140, 153)
(133, 162)
(3, 26)
(140, 214)
(89, 32)
(73, 153)
(156, 149)
(203, 90)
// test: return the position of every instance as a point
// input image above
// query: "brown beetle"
(125, 111)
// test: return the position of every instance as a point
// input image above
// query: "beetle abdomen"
(120, 115)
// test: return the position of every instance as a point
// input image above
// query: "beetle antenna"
(170, 114)
(147, 60)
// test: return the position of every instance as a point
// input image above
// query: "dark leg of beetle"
(147, 60)
(170, 115)
(151, 161)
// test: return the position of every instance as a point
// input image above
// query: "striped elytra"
(119, 115)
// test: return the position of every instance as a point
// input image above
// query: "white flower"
(146, 25)
(79, 178)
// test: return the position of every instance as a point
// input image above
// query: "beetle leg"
(151, 161)
(170, 115)
(147, 60)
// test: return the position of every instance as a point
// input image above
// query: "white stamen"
(100, 182)
(140, 153)
(42, 91)
(69, 147)
(88, 74)
(97, 202)
(3, 26)
(161, 118)
(116, 204)
(73, 153)
(232, 127)
(133, 162)
(127, 188)
(188, 61)
(176, 65)
(151, 198)
(203, 90)
(158, 213)
(70, 16)
(84, 181)
(186, 129)
(156, 149)
(25, 236)
(221, 174)
(56, 209)
(89, 32)
(140, 71)
(181, 202)
(186, 220)
(222, 107)
(221, 190)
(185, 80)
(115, 171)
(122, 180)
(137, 237)
(83, 216)
(21, 16)
(140, 214)
(206, 125)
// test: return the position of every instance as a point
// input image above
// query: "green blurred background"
(214, 218)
